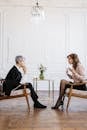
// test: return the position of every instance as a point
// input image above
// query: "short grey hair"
(19, 58)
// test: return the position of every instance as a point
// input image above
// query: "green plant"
(41, 69)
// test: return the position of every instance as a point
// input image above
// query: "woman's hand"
(72, 70)
(70, 76)
(69, 73)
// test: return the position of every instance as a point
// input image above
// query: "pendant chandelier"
(37, 11)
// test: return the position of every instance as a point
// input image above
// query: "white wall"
(49, 42)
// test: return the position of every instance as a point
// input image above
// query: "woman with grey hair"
(14, 78)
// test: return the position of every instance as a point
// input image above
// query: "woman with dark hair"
(77, 73)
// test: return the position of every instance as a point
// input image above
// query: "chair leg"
(26, 96)
(69, 97)
(68, 102)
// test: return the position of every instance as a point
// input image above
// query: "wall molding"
(46, 3)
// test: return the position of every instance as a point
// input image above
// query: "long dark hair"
(75, 59)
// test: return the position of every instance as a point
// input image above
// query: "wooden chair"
(75, 93)
(15, 93)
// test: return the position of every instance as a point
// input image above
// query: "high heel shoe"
(58, 105)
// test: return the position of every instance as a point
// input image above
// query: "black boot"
(39, 105)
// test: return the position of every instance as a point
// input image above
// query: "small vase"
(41, 76)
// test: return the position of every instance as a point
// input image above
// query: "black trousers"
(8, 86)
(33, 93)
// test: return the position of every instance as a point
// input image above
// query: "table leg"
(36, 84)
(33, 82)
(53, 89)
(49, 88)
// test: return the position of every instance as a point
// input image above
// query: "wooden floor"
(14, 115)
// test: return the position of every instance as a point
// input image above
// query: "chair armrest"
(77, 84)
(24, 85)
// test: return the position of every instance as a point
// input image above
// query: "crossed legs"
(60, 99)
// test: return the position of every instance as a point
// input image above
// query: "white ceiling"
(47, 3)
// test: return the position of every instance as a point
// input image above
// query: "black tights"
(63, 86)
